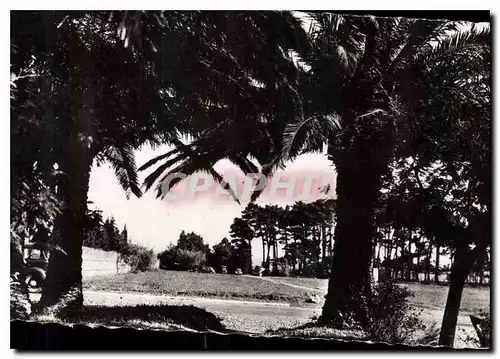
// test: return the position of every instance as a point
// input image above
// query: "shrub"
(180, 259)
(482, 325)
(139, 258)
(20, 305)
(168, 257)
(392, 320)
(188, 259)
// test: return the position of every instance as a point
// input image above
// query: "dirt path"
(277, 281)
(431, 314)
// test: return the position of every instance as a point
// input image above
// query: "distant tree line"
(107, 236)
(299, 239)
(191, 252)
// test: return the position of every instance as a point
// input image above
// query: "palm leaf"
(225, 185)
(122, 161)
(459, 39)
(243, 163)
(154, 160)
(311, 133)
(153, 177)
(267, 172)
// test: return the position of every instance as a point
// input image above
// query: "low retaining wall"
(96, 262)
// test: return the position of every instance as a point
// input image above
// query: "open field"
(425, 295)
(473, 299)
(281, 289)
(198, 285)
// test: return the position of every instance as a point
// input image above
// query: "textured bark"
(63, 286)
(350, 284)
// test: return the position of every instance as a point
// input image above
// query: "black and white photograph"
(318, 175)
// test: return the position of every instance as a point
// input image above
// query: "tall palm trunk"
(63, 285)
(350, 284)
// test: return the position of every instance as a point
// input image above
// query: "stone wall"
(96, 262)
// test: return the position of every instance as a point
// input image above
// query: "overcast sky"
(156, 223)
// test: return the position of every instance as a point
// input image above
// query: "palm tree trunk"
(63, 285)
(350, 284)
(460, 269)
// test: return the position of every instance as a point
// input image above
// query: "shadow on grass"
(166, 317)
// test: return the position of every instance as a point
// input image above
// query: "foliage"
(191, 242)
(189, 259)
(392, 320)
(241, 89)
(482, 325)
(303, 231)
(20, 305)
(180, 259)
(220, 255)
(189, 252)
(139, 258)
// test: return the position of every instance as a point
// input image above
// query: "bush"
(482, 325)
(188, 259)
(174, 258)
(20, 305)
(392, 320)
(139, 258)
(168, 257)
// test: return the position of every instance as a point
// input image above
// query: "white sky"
(156, 223)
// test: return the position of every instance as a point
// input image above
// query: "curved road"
(257, 317)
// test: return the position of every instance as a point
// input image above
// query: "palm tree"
(357, 69)
(255, 71)
(99, 113)
(104, 115)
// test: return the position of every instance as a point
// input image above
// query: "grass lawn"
(197, 284)
(305, 282)
(473, 299)
(252, 288)
(427, 295)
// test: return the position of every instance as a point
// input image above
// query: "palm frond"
(186, 168)
(122, 161)
(156, 159)
(245, 164)
(459, 39)
(266, 173)
(153, 177)
(225, 185)
(419, 33)
(311, 134)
